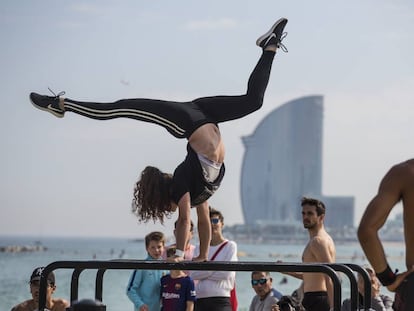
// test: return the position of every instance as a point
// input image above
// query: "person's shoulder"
(319, 240)
(27, 305)
(276, 293)
(255, 300)
(188, 279)
(60, 304)
(272, 298)
(231, 246)
(403, 171)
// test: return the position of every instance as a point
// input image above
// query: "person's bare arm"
(298, 275)
(374, 217)
(204, 230)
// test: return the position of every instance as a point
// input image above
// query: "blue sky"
(75, 176)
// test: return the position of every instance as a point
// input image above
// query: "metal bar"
(367, 284)
(354, 285)
(209, 265)
(74, 284)
(99, 284)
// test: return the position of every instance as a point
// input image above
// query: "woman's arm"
(183, 224)
(204, 230)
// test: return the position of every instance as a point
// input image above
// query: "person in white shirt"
(213, 287)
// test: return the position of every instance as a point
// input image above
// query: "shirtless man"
(318, 287)
(396, 185)
(52, 304)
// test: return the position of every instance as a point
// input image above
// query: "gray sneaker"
(48, 103)
(274, 35)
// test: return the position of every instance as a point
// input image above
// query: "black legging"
(181, 119)
(213, 304)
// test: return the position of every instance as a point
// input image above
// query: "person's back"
(144, 285)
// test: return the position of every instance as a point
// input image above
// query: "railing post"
(354, 285)
(74, 284)
(367, 284)
(99, 284)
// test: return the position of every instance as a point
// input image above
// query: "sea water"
(16, 268)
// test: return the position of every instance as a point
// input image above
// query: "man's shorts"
(316, 301)
(404, 295)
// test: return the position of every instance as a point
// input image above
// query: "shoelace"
(281, 45)
(58, 94)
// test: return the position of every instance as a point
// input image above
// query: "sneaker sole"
(55, 113)
(267, 34)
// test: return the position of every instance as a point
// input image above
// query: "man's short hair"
(156, 236)
(267, 273)
(36, 274)
(214, 212)
(320, 207)
(191, 225)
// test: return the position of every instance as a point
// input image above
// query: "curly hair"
(152, 198)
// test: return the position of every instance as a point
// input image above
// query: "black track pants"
(181, 119)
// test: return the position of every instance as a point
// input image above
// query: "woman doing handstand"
(158, 194)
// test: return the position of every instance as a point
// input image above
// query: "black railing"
(102, 266)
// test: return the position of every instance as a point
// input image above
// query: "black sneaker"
(48, 103)
(274, 35)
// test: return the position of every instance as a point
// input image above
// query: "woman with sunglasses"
(214, 288)
(158, 194)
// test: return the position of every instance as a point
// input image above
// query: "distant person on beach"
(266, 296)
(198, 177)
(317, 287)
(144, 285)
(177, 290)
(214, 288)
(379, 302)
(397, 185)
(188, 249)
(52, 304)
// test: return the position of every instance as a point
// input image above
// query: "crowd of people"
(158, 194)
(178, 290)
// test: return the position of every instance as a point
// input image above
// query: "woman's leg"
(225, 108)
(178, 118)
(173, 116)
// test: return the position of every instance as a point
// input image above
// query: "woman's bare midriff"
(206, 140)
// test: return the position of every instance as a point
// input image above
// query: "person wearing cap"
(52, 304)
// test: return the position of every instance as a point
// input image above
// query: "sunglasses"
(215, 221)
(259, 281)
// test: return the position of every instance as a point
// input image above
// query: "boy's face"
(155, 249)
